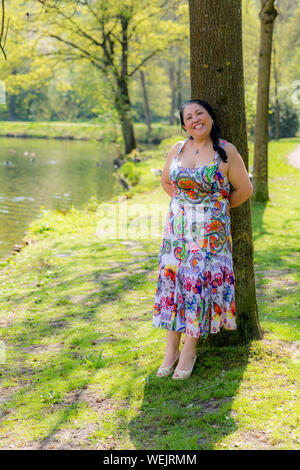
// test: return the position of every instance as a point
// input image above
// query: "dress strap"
(217, 157)
(180, 147)
(221, 144)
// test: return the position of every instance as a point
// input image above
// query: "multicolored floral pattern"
(195, 291)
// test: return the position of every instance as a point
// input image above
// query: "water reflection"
(50, 173)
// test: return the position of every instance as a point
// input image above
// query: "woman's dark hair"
(215, 130)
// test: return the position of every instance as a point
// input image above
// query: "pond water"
(52, 173)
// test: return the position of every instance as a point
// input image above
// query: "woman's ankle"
(171, 355)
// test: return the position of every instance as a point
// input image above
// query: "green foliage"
(250, 103)
(130, 171)
(25, 72)
(160, 131)
(51, 397)
(93, 204)
(95, 361)
(288, 120)
(41, 228)
(47, 79)
(166, 144)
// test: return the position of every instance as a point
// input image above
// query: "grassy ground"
(80, 130)
(79, 353)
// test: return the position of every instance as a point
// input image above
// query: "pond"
(52, 173)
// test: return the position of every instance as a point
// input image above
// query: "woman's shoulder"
(175, 148)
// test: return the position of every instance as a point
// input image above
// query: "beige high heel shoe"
(183, 374)
(166, 371)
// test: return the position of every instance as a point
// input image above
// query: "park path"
(294, 157)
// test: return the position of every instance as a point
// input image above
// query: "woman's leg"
(187, 353)
(172, 347)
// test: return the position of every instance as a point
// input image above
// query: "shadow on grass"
(257, 213)
(195, 413)
(47, 346)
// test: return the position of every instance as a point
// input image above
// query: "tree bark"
(122, 98)
(124, 108)
(267, 16)
(146, 103)
(217, 77)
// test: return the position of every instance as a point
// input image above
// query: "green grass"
(81, 130)
(82, 355)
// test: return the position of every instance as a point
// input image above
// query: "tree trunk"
(277, 106)
(146, 104)
(267, 16)
(217, 77)
(173, 93)
(12, 107)
(178, 87)
(12, 101)
(124, 107)
(122, 98)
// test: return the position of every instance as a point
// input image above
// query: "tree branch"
(86, 54)
(2, 33)
(143, 62)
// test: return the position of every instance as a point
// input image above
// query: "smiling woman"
(195, 292)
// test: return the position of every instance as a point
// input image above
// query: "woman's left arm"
(238, 177)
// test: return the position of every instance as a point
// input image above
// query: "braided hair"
(215, 130)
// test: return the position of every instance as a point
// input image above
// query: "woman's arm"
(238, 177)
(168, 187)
(165, 180)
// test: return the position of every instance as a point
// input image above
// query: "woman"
(196, 286)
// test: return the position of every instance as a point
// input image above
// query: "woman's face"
(197, 121)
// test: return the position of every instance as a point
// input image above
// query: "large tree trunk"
(267, 16)
(217, 77)
(146, 104)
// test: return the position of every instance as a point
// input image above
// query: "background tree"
(217, 77)
(267, 16)
(146, 103)
(25, 73)
(250, 23)
(287, 122)
(158, 91)
(285, 69)
(118, 38)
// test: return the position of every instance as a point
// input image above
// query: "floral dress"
(195, 291)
